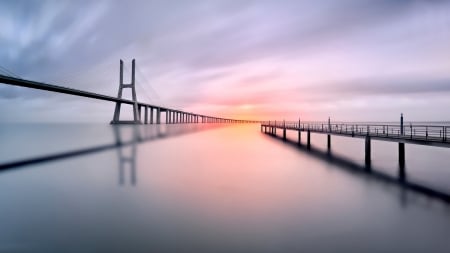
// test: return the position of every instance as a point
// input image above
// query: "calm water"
(212, 189)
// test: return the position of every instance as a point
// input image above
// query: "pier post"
(401, 151)
(401, 124)
(329, 125)
(401, 159)
(308, 139)
(328, 142)
(368, 156)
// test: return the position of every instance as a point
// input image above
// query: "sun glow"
(246, 107)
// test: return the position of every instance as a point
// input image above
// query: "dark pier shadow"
(140, 134)
(362, 170)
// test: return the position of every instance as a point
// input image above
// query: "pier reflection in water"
(230, 189)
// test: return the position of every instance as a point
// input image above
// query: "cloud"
(229, 53)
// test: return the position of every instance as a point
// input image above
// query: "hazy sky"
(351, 60)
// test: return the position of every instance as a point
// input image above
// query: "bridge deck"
(60, 89)
(432, 135)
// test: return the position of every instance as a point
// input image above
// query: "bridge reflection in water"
(125, 137)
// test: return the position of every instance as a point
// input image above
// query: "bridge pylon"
(132, 86)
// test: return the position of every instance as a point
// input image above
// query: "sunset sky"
(351, 60)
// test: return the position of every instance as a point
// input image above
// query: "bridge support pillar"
(401, 160)
(299, 137)
(284, 133)
(158, 115)
(146, 115)
(308, 139)
(136, 117)
(151, 115)
(368, 156)
(139, 112)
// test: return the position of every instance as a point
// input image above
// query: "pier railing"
(419, 132)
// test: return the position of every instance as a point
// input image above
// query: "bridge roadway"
(172, 115)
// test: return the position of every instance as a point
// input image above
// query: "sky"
(351, 60)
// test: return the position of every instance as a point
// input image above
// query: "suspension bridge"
(143, 113)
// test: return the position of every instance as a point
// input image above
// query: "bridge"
(152, 113)
(419, 134)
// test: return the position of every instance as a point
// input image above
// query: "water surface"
(203, 188)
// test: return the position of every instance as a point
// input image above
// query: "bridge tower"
(116, 117)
